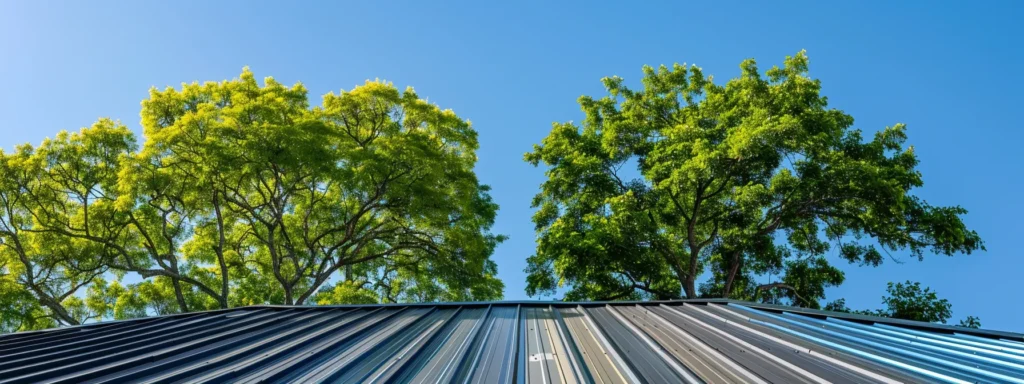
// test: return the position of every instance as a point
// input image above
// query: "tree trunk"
(730, 278)
(179, 296)
(288, 295)
(689, 281)
(223, 299)
(689, 287)
(677, 267)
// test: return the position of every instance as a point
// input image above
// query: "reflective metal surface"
(709, 341)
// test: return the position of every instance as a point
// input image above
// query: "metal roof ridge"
(946, 328)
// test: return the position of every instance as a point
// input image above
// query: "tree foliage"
(970, 322)
(909, 301)
(685, 178)
(243, 194)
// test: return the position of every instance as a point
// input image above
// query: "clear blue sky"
(951, 71)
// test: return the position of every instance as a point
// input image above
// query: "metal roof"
(712, 341)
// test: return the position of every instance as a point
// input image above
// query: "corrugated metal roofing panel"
(600, 363)
(710, 341)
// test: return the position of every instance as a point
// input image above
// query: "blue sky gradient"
(950, 70)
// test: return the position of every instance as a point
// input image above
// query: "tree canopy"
(243, 194)
(684, 178)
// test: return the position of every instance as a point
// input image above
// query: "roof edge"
(921, 325)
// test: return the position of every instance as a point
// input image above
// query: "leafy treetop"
(752, 177)
(241, 194)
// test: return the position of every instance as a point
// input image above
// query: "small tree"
(909, 301)
(970, 322)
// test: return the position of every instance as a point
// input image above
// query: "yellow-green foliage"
(242, 193)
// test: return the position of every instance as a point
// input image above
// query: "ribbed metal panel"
(514, 342)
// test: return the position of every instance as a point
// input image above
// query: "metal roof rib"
(885, 354)
(571, 353)
(750, 357)
(815, 359)
(648, 360)
(600, 363)
(691, 341)
(271, 361)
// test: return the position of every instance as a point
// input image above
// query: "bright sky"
(948, 70)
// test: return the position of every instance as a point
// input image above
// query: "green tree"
(970, 322)
(243, 194)
(19, 310)
(373, 180)
(909, 301)
(93, 190)
(40, 272)
(752, 177)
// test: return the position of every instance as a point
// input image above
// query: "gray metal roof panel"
(514, 342)
(599, 363)
(638, 352)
